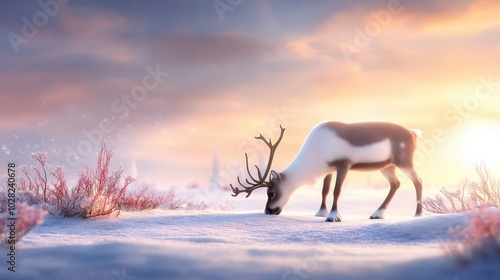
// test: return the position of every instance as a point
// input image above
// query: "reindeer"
(340, 147)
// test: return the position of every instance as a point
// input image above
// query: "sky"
(177, 87)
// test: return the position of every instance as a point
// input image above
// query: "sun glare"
(481, 141)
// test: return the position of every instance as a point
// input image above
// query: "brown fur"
(362, 134)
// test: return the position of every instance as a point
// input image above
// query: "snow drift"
(162, 244)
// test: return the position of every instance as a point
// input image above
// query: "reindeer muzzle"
(275, 211)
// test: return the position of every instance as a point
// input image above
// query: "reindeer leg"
(342, 169)
(417, 182)
(390, 174)
(322, 212)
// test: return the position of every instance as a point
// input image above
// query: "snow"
(161, 244)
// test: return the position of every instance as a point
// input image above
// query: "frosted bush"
(98, 192)
(468, 196)
(480, 238)
(27, 218)
(146, 198)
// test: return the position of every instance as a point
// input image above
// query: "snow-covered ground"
(241, 244)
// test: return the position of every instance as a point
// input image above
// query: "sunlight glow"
(480, 141)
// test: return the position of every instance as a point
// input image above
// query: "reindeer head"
(276, 198)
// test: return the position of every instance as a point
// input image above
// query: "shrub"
(196, 204)
(37, 184)
(104, 193)
(27, 218)
(144, 198)
(21, 197)
(470, 195)
(64, 202)
(99, 191)
(479, 239)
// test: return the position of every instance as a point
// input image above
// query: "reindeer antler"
(260, 181)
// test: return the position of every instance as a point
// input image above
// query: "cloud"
(302, 49)
(371, 27)
(227, 78)
(423, 43)
(462, 18)
(187, 47)
(90, 57)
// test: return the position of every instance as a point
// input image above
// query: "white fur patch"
(379, 214)
(376, 152)
(339, 149)
(324, 145)
(402, 145)
(334, 216)
(322, 213)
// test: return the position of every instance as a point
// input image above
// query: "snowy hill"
(241, 245)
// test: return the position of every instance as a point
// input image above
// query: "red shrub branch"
(103, 189)
(470, 194)
(144, 198)
(480, 238)
(98, 192)
(27, 218)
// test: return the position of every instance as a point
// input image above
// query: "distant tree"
(215, 176)
(219, 178)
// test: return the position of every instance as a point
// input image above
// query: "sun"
(480, 141)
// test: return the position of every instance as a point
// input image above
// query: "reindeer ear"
(275, 176)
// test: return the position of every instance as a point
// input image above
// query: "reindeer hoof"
(379, 214)
(334, 216)
(322, 212)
